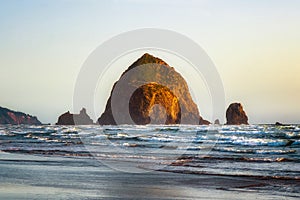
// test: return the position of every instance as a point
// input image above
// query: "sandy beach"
(37, 177)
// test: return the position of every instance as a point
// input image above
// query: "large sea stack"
(236, 115)
(74, 119)
(8, 116)
(150, 91)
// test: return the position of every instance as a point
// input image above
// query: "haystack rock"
(8, 116)
(150, 91)
(71, 119)
(236, 115)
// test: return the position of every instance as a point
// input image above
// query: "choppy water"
(262, 151)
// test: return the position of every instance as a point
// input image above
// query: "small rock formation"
(217, 122)
(75, 119)
(235, 115)
(154, 93)
(279, 124)
(12, 117)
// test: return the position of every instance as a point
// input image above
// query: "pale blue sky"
(254, 44)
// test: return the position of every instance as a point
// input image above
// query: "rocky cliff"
(154, 93)
(8, 116)
(236, 115)
(71, 119)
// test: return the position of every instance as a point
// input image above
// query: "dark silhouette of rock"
(8, 116)
(203, 121)
(217, 122)
(75, 119)
(289, 143)
(150, 91)
(279, 124)
(235, 115)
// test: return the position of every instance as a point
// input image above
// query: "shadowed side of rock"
(71, 119)
(236, 115)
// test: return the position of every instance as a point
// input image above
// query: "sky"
(254, 44)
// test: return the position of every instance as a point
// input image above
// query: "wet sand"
(38, 177)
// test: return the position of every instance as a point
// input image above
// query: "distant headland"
(8, 116)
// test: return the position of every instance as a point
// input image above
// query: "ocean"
(150, 162)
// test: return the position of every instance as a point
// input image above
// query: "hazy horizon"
(254, 45)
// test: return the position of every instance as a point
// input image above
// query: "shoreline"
(64, 178)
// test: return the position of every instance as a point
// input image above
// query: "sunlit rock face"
(150, 91)
(236, 115)
(155, 104)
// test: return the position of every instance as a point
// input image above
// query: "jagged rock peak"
(74, 119)
(147, 58)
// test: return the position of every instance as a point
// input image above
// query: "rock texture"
(12, 117)
(71, 119)
(236, 115)
(154, 103)
(160, 95)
